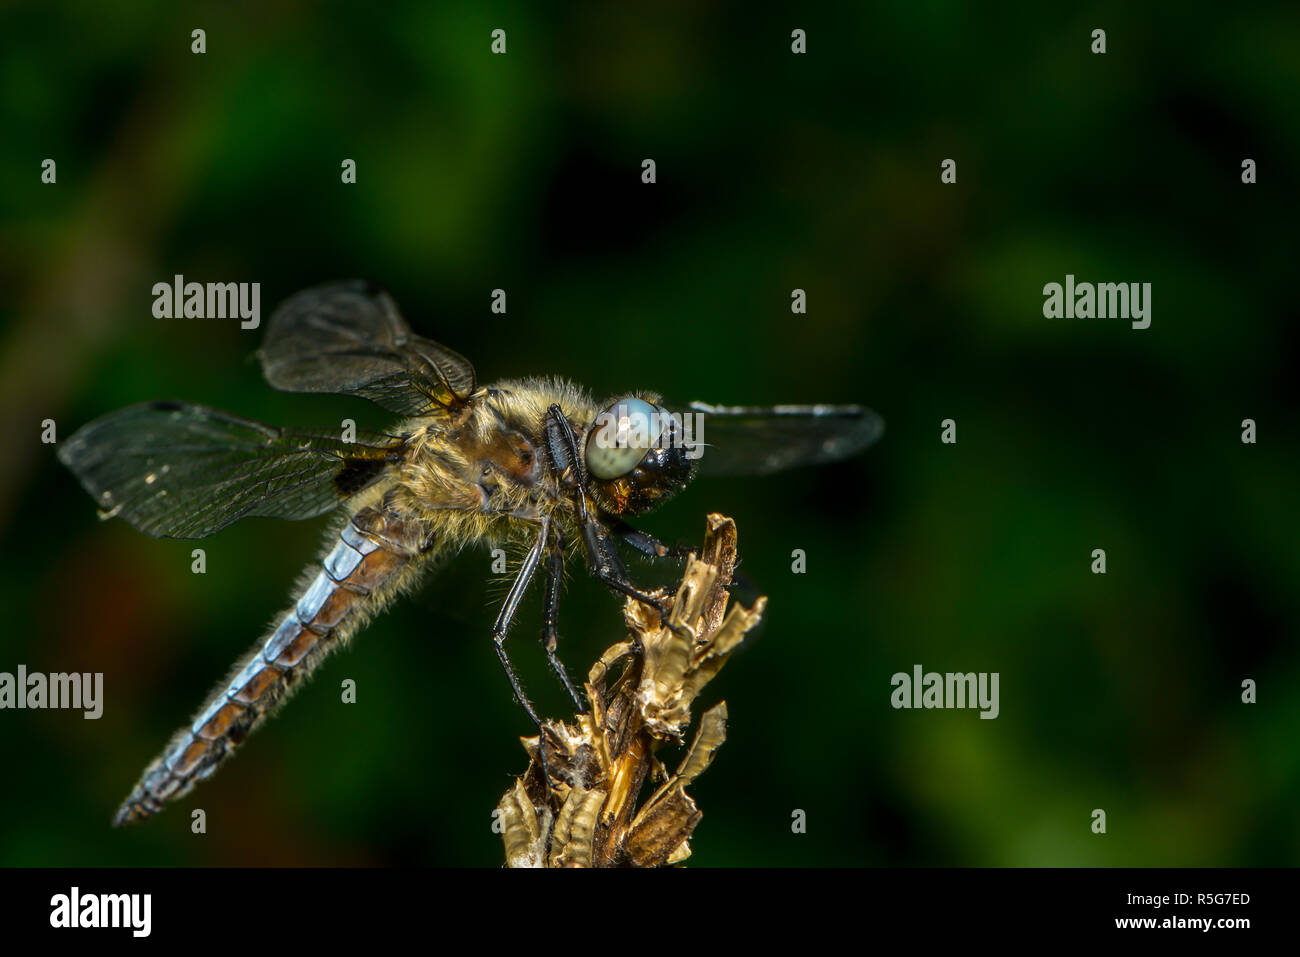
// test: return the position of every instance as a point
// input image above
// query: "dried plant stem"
(584, 811)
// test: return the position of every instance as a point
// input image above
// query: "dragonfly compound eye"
(621, 436)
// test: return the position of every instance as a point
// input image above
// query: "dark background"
(775, 171)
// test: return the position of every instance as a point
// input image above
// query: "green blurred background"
(775, 171)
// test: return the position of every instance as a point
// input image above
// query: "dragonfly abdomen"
(358, 574)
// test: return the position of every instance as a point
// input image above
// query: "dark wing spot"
(358, 474)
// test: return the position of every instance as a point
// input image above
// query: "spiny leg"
(550, 612)
(507, 614)
(609, 568)
(647, 544)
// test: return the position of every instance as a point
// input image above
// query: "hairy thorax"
(487, 475)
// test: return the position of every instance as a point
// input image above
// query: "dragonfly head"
(636, 455)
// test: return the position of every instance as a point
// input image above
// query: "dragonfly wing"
(177, 470)
(349, 338)
(751, 440)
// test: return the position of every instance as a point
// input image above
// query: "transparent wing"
(175, 470)
(348, 338)
(751, 440)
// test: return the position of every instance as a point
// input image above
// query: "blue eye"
(621, 436)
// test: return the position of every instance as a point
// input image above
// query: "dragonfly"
(533, 463)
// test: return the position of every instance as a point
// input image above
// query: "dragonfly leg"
(602, 555)
(646, 543)
(507, 615)
(550, 634)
